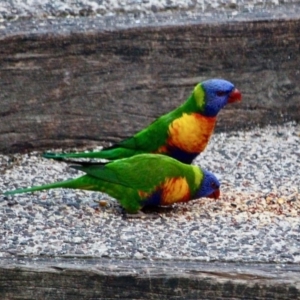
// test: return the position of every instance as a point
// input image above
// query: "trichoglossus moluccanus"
(141, 180)
(182, 133)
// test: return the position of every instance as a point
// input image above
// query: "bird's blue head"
(217, 93)
(210, 186)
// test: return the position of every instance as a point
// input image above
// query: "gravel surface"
(25, 9)
(255, 220)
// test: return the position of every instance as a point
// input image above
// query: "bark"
(69, 84)
(133, 279)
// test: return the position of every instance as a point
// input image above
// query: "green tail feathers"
(62, 156)
(63, 184)
(85, 182)
(52, 155)
(108, 153)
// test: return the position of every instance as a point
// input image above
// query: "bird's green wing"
(140, 172)
(147, 140)
(152, 137)
(130, 180)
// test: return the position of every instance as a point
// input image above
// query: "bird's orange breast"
(175, 190)
(170, 191)
(191, 132)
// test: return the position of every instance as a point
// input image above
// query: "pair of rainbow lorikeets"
(153, 167)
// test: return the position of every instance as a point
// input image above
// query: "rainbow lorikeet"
(141, 180)
(182, 133)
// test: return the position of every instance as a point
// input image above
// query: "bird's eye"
(214, 185)
(221, 93)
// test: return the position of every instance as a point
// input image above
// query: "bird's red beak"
(235, 96)
(215, 194)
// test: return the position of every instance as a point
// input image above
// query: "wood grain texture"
(67, 88)
(133, 279)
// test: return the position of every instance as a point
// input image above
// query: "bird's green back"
(156, 134)
(142, 172)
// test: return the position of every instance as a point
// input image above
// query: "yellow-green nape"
(199, 96)
(198, 175)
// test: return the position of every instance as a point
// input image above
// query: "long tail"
(72, 183)
(107, 153)
(63, 156)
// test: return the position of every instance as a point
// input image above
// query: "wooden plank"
(64, 85)
(139, 279)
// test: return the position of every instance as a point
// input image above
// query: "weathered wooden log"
(70, 83)
(134, 279)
